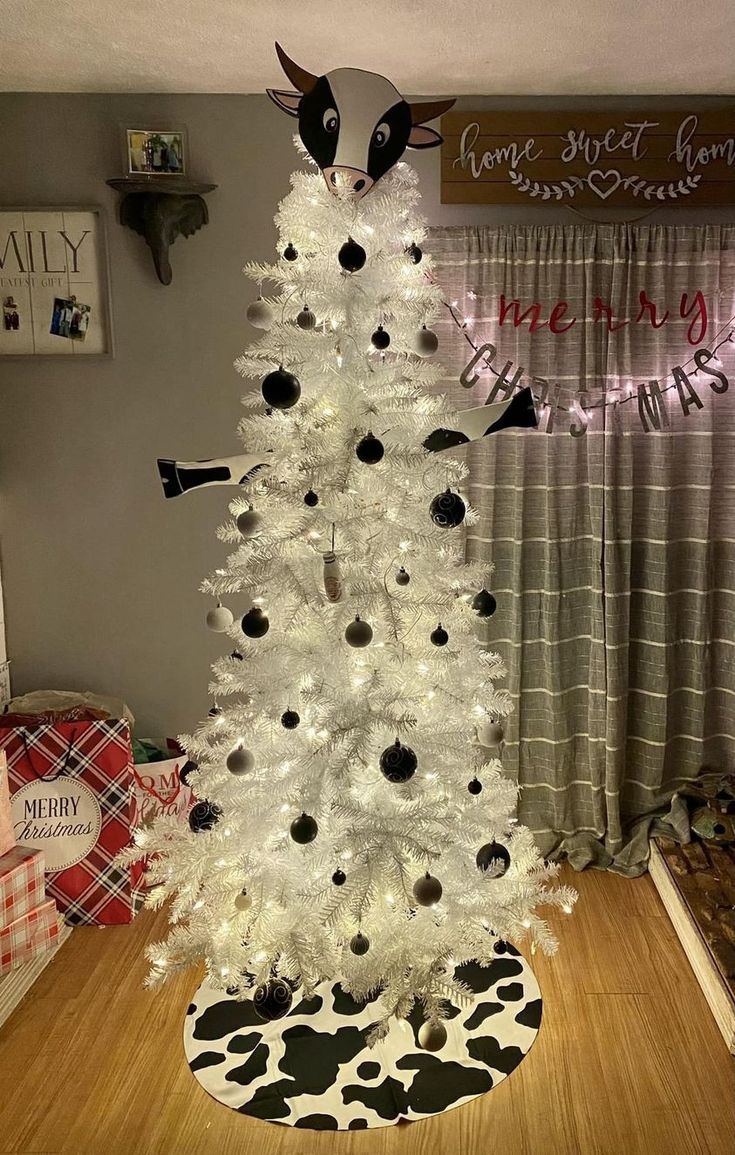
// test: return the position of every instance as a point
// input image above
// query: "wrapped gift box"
(7, 838)
(22, 885)
(28, 936)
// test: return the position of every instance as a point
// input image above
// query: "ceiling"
(425, 46)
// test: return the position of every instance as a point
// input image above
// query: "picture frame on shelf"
(54, 282)
(155, 152)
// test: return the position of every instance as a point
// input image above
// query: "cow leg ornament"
(179, 477)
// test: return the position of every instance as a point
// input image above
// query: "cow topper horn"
(301, 79)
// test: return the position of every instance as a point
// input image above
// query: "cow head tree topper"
(355, 124)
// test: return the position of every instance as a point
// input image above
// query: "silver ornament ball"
(306, 319)
(240, 760)
(490, 734)
(426, 342)
(359, 633)
(427, 890)
(219, 619)
(260, 314)
(249, 522)
(432, 1036)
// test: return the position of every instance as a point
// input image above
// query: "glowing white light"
(258, 601)
(328, 412)
(369, 229)
(478, 710)
(567, 908)
(199, 903)
(431, 695)
(323, 734)
(160, 962)
(527, 923)
(404, 545)
(431, 775)
(285, 808)
(314, 534)
(339, 360)
(346, 855)
(422, 668)
(227, 832)
(261, 956)
(221, 862)
(389, 899)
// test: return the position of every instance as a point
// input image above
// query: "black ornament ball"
(427, 890)
(475, 786)
(272, 1000)
(304, 829)
(352, 256)
(290, 253)
(359, 633)
(501, 946)
(255, 623)
(493, 854)
(484, 604)
(339, 878)
(290, 719)
(403, 577)
(369, 449)
(237, 656)
(240, 761)
(439, 636)
(414, 252)
(186, 771)
(280, 388)
(380, 338)
(359, 943)
(306, 319)
(447, 510)
(203, 816)
(311, 498)
(214, 711)
(398, 763)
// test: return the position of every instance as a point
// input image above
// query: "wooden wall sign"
(589, 158)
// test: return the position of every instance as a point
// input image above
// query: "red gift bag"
(71, 788)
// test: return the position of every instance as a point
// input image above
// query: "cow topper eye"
(381, 134)
(330, 120)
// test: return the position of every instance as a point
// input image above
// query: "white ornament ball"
(249, 522)
(243, 901)
(432, 1036)
(240, 760)
(260, 314)
(490, 734)
(219, 619)
(426, 342)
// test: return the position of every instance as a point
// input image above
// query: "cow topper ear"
(287, 101)
(421, 137)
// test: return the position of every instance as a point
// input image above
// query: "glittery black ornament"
(272, 1000)
(369, 450)
(339, 878)
(475, 786)
(306, 319)
(359, 633)
(447, 509)
(280, 388)
(214, 711)
(380, 338)
(414, 252)
(290, 253)
(311, 498)
(304, 829)
(255, 623)
(359, 943)
(290, 719)
(237, 656)
(398, 763)
(493, 854)
(484, 604)
(203, 816)
(403, 577)
(439, 636)
(352, 256)
(501, 946)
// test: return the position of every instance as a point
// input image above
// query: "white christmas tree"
(354, 819)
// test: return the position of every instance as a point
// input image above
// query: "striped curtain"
(614, 551)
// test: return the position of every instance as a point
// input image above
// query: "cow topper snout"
(350, 180)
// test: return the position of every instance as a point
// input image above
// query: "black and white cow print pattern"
(313, 1069)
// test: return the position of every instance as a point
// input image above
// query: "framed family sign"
(54, 283)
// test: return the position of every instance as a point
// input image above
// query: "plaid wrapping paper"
(26, 937)
(7, 838)
(85, 768)
(21, 883)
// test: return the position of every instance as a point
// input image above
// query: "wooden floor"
(628, 1060)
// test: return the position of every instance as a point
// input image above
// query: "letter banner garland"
(647, 398)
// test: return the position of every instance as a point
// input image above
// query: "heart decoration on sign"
(603, 192)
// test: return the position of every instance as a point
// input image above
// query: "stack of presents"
(71, 794)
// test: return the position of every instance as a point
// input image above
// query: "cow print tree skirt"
(313, 1069)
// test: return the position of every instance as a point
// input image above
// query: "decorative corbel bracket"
(160, 210)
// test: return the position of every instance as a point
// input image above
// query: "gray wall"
(100, 573)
